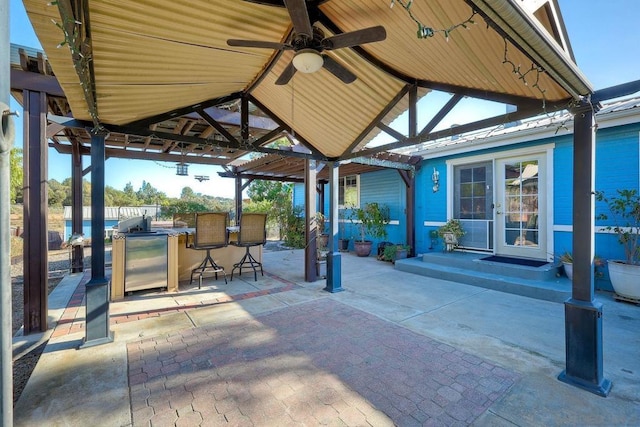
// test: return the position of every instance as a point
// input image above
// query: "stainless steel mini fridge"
(146, 261)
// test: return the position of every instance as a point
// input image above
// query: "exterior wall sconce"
(435, 178)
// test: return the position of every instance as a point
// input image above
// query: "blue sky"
(604, 36)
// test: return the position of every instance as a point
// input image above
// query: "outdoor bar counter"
(178, 262)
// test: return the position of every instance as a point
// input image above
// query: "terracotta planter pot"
(362, 248)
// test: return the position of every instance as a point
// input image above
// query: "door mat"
(517, 261)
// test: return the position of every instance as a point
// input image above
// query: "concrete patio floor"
(393, 349)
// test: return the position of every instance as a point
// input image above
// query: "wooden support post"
(77, 255)
(35, 237)
(334, 262)
(583, 314)
(410, 184)
(310, 248)
(97, 290)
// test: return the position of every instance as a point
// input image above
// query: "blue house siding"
(617, 159)
(431, 207)
(563, 182)
(617, 167)
(384, 187)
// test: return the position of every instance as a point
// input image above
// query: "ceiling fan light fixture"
(308, 61)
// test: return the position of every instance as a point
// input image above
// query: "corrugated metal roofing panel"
(471, 57)
(151, 57)
(43, 16)
(324, 110)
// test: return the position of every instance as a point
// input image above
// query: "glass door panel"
(473, 204)
(519, 227)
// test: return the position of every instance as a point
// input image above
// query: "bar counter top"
(181, 260)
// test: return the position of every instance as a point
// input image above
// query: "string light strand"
(425, 31)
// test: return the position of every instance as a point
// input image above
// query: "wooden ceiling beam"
(378, 119)
(221, 129)
(282, 124)
(140, 155)
(468, 127)
(453, 101)
(179, 112)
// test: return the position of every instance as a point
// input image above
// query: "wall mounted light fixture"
(435, 178)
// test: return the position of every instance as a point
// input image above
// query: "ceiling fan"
(308, 43)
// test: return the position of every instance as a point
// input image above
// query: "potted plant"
(321, 262)
(321, 237)
(451, 233)
(624, 209)
(370, 221)
(433, 239)
(395, 252)
(343, 241)
(567, 263)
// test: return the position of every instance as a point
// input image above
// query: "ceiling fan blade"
(286, 75)
(299, 17)
(260, 44)
(355, 38)
(338, 70)
(267, 2)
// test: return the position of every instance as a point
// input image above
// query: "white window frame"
(342, 183)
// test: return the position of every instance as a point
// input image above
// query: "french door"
(473, 204)
(520, 208)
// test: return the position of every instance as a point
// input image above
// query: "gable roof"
(140, 61)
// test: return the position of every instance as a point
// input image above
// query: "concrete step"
(475, 262)
(547, 285)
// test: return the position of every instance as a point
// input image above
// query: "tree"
(113, 197)
(58, 193)
(260, 190)
(147, 195)
(187, 193)
(173, 206)
(130, 193)
(16, 175)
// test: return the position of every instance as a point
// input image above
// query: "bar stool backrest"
(211, 230)
(253, 229)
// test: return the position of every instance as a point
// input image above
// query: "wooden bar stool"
(253, 232)
(211, 233)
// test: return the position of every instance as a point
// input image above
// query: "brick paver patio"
(321, 362)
